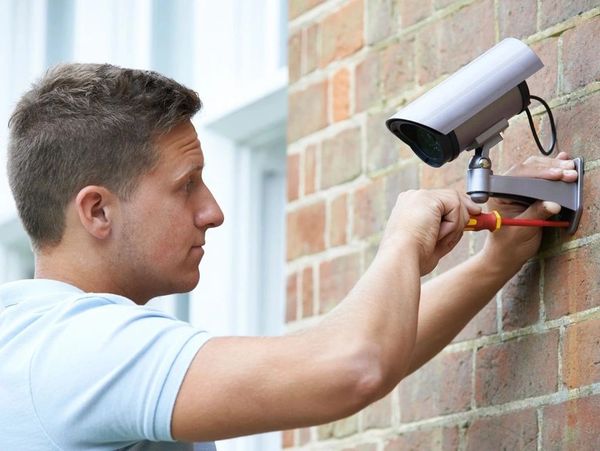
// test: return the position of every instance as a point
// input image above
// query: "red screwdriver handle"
(485, 221)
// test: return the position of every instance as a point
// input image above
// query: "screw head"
(485, 163)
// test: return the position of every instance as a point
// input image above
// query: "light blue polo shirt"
(88, 370)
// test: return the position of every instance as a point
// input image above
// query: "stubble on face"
(157, 232)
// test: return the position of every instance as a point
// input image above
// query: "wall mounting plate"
(573, 216)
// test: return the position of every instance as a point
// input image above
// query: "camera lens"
(432, 147)
(429, 144)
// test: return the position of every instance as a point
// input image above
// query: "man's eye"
(189, 186)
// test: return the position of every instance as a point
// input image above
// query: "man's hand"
(511, 247)
(431, 220)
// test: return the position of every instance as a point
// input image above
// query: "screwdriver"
(492, 221)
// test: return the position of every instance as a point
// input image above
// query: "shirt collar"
(18, 291)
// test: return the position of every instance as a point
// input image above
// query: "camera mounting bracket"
(483, 184)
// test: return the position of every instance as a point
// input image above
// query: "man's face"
(164, 223)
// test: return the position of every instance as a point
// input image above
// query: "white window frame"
(257, 133)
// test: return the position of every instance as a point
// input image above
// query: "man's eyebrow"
(190, 169)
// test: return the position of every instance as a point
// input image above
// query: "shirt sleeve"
(108, 373)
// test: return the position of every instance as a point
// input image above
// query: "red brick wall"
(525, 374)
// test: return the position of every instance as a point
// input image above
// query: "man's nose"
(209, 213)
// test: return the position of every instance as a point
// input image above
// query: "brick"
(339, 220)
(577, 129)
(340, 95)
(590, 220)
(325, 431)
(295, 56)
(582, 354)
(396, 68)
(445, 45)
(414, 11)
(342, 32)
(440, 4)
(307, 292)
(293, 176)
(515, 430)
(521, 298)
(447, 175)
(303, 436)
(298, 7)
(571, 282)
(544, 83)
(287, 439)
(311, 61)
(478, 241)
(306, 230)
(484, 323)
(341, 158)
(382, 19)
(378, 415)
(456, 256)
(291, 298)
(345, 427)
(338, 429)
(336, 279)
(440, 387)
(370, 252)
(384, 73)
(459, 185)
(369, 209)
(572, 425)
(367, 82)
(580, 56)
(517, 18)
(518, 144)
(307, 110)
(383, 148)
(398, 181)
(517, 369)
(555, 11)
(445, 439)
(362, 447)
(310, 169)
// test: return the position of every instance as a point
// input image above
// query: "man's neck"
(80, 271)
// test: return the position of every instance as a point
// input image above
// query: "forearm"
(381, 312)
(451, 300)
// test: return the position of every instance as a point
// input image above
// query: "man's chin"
(189, 283)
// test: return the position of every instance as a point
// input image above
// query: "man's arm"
(360, 351)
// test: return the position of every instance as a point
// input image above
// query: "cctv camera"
(469, 110)
(447, 119)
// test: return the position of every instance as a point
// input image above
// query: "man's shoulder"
(43, 296)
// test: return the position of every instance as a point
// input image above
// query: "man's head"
(92, 148)
(87, 124)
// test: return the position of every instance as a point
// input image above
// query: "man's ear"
(95, 206)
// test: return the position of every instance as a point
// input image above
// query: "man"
(106, 170)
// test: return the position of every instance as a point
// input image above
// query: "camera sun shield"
(442, 122)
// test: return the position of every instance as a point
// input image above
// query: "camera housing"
(444, 121)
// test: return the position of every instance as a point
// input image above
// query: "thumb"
(541, 210)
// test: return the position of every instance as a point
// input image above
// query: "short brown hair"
(87, 124)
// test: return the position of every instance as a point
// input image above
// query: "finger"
(561, 160)
(541, 210)
(569, 175)
(548, 172)
(451, 219)
(471, 207)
